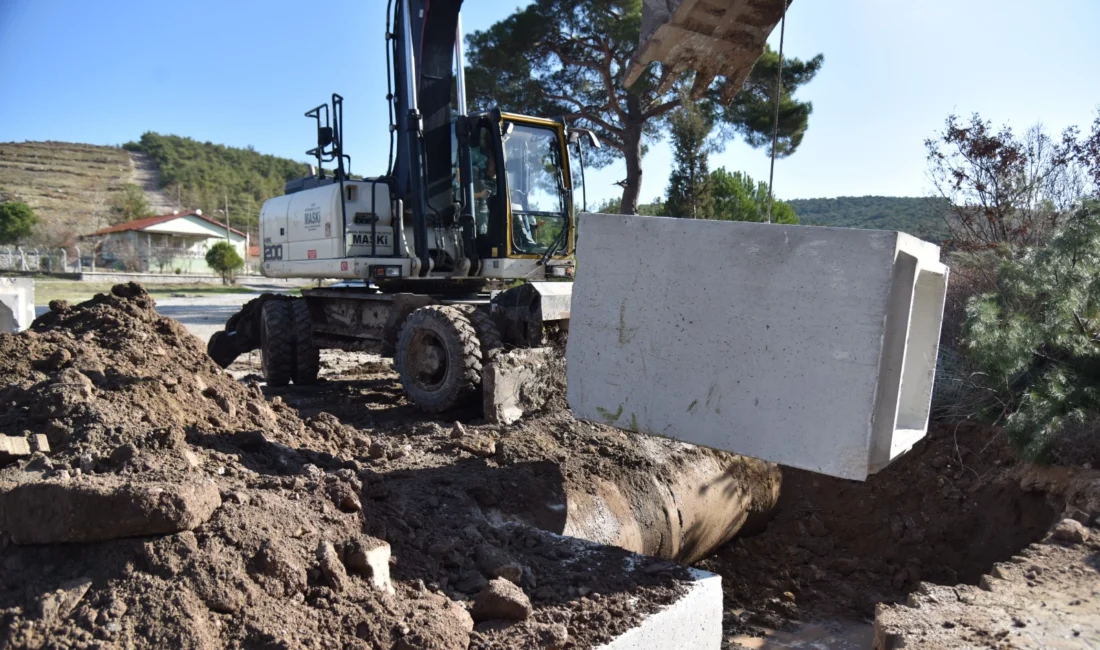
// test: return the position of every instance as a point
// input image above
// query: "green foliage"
(17, 220)
(224, 259)
(1037, 335)
(202, 173)
(569, 57)
(737, 197)
(918, 216)
(129, 204)
(614, 206)
(689, 185)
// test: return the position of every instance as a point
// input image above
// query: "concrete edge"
(692, 622)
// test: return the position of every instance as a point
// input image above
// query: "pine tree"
(690, 194)
(1034, 339)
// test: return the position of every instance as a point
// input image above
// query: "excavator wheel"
(438, 357)
(307, 358)
(487, 333)
(277, 342)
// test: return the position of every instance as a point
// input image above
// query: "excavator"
(472, 200)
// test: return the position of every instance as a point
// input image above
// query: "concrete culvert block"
(16, 304)
(97, 510)
(806, 346)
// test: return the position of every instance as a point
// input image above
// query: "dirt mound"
(200, 515)
(944, 513)
(1043, 597)
(112, 371)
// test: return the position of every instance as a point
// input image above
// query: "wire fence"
(33, 259)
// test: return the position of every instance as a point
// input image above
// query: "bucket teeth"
(712, 37)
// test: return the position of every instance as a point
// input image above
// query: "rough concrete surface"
(694, 621)
(806, 346)
(16, 304)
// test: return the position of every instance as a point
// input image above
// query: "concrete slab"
(692, 623)
(805, 346)
(16, 304)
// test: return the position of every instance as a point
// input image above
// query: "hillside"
(203, 174)
(914, 215)
(70, 186)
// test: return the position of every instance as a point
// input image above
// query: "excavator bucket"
(712, 37)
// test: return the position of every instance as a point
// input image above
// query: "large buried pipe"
(669, 499)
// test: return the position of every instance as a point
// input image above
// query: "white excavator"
(472, 199)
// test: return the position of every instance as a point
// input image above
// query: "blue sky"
(242, 72)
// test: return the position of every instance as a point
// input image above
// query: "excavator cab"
(520, 186)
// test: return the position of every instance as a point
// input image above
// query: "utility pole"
(227, 238)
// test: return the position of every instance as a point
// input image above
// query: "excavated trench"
(811, 548)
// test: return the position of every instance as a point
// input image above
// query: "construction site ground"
(247, 516)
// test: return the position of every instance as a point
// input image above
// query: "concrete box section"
(16, 304)
(694, 622)
(806, 346)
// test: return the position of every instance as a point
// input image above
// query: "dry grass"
(69, 186)
(74, 292)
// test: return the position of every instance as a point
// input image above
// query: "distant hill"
(69, 186)
(202, 175)
(914, 215)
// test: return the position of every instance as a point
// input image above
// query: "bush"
(129, 205)
(17, 220)
(1036, 338)
(224, 259)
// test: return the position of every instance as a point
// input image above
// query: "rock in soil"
(370, 559)
(95, 509)
(503, 600)
(1070, 531)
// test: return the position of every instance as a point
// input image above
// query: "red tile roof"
(142, 224)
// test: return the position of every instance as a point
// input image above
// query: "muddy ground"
(308, 480)
(180, 506)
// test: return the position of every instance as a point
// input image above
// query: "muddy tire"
(487, 333)
(307, 358)
(277, 342)
(439, 358)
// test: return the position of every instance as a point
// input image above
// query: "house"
(169, 243)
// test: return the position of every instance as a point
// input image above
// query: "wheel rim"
(427, 360)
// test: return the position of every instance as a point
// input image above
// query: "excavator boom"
(712, 37)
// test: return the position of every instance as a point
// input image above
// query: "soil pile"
(200, 515)
(944, 513)
(112, 371)
(1047, 596)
